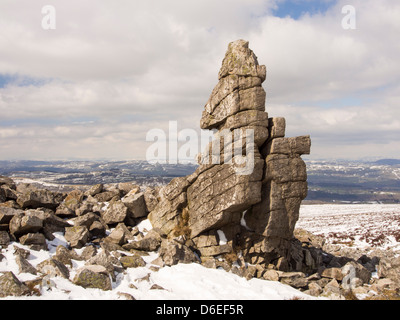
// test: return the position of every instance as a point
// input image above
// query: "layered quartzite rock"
(247, 190)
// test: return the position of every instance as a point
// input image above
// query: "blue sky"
(297, 8)
(20, 80)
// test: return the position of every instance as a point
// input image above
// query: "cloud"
(110, 72)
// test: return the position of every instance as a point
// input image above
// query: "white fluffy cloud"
(110, 72)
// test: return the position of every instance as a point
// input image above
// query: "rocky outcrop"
(250, 180)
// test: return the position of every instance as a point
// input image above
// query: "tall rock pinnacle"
(255, 210)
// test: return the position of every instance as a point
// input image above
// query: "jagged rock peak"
(239, 88)
(240, 60)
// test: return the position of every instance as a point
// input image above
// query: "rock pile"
(107, 249)
(252, 209)
(99, 221)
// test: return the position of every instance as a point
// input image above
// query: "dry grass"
(182, 227)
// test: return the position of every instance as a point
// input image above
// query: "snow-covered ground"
(179, 282)
(354, 225)
(357, 225)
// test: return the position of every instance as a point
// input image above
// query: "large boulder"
(115, 213)
(135, 204)
(173, 252)
(77, 236)
(6, 214)
(40, 198)
(23, 223)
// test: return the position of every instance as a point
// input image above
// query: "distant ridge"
(389, 162)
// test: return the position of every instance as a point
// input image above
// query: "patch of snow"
(243, 221)
(222, 237)
(181, 282)
(145, 225)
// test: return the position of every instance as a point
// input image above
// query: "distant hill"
(388, 162)
(332, 181)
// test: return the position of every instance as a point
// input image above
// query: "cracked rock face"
(250, 181)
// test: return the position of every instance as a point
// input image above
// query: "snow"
(180, 282)
(145, 225)
(193, 281)
(243, 221)
(222, 237)
(361, 225)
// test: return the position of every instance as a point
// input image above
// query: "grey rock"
(150, 242)
(24, 266)
(36, 241)
(77, 236)
(6, 181)
(11, 286)
(53, 268)
(22, 223)
(115, 213)
(93, 276)
(96, 189)
(40, 198)
(120, 235)
(136, 204)
(132, 261)
(173, 253)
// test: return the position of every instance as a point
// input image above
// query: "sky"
(92, 80)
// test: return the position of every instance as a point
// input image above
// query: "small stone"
(132, 262)
(271, 275)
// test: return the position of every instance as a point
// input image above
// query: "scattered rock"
(271, 275)
(77, 236)
(132, 261)
(105, 259)
(24, 265)
(53, 268)
(36, 241)
(115, 213)
(6, 214)
(94, 190)
(333, 273)
(173, 253)
(4, 238)
(11, 286)
(126, 296)
(63, 255)
(390, 268)
(93, 276)
(6, 181)
(23, 223)
(120, 235)
(136, 204)
(150, 242)
(40, 198)
(156, 287)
